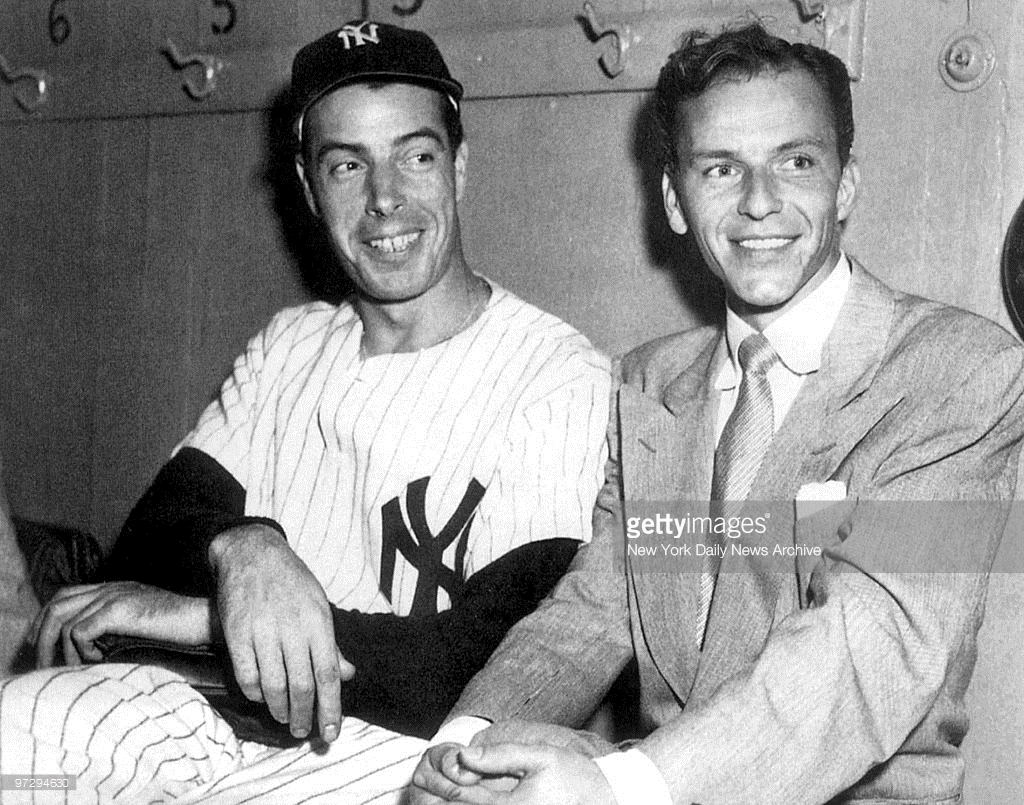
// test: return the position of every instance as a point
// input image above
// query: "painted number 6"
(60, 27)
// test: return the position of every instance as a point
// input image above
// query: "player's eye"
(344, 167)
(721, 171)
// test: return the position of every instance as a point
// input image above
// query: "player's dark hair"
(742, 53)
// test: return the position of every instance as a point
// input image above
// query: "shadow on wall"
(301, 233)
(678, 256)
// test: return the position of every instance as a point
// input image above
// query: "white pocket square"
(812, 498)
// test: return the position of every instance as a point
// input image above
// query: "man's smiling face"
(382, 175)
(760, 185)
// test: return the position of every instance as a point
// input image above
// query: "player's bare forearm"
(76, 616)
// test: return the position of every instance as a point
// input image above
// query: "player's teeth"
(764, 243)
(396, 244)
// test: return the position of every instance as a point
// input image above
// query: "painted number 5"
(232, 14)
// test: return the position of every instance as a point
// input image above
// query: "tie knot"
(755, 354)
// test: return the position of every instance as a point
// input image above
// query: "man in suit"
(836, 673)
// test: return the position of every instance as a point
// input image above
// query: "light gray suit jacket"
(833, 678)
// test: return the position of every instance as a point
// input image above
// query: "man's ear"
(673, 211)
(461, 155)
(846, 193)
(300, 169)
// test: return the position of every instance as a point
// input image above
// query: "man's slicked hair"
(742, 53)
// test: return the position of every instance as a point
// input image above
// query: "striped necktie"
(741, 449)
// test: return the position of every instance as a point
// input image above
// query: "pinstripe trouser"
(138, 734)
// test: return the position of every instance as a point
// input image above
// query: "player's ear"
(673, 211)
(846, 193)
(461, 155)
(307, 191)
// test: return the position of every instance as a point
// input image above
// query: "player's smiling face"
(381, 174)
(760, 185)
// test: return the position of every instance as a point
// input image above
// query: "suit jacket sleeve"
(409, 671)
(558, 663)
(839, 687)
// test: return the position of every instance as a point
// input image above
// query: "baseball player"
(380, 490)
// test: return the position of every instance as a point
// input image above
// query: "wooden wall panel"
(50, 177)
(464, 14)
(241, 273)
(929, 217)
(128, 361)
(559, 211)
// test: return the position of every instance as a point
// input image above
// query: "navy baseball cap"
(366, 51)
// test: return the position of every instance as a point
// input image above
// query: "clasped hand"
(514, 764)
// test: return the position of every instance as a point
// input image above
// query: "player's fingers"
(247, 674)
(347, 669)
(301, 691)
(63, 594)
(273, 680)
(102, 617)
(327, 675)
(52, 629)
(76, 642)
(49, 620)
(47, 635)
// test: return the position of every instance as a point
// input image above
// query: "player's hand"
(536, 733)
(278, 628)
(543, 775)
(76, 616)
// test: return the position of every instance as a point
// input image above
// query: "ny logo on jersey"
(356, 35)
(426, 551)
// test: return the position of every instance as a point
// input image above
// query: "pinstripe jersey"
(397, 476)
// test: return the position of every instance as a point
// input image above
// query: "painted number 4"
(231, 16)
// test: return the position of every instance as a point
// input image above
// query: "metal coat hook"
(612, 65)
(12, 75)
(211, 68)
(407, 12)
(812, 9)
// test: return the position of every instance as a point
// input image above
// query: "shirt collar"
(797, 336)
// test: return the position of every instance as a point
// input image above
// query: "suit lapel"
(667, 454)
(827, 419)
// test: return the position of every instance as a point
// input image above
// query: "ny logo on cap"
(355, 35)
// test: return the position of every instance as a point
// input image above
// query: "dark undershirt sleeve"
(409, 670)
(166, 538)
